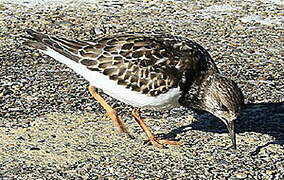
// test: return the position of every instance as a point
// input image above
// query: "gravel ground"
(50, 127)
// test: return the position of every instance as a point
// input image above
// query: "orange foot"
(161, 142)
(156, 142)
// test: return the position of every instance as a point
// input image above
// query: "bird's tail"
(35, 40)
(43, 42)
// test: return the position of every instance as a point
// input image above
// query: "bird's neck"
(194, 96)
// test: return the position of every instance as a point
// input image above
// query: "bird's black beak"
(232, 132)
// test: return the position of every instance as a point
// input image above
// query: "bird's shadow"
(264, 118)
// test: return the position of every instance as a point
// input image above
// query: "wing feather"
(150, 64)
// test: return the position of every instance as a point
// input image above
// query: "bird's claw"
(161, 142)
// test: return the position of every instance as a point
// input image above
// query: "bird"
(147, 70)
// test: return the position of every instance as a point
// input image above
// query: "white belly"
(119, 92)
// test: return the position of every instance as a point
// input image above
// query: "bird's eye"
(224, 108)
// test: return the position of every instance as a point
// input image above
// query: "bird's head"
(224, 99)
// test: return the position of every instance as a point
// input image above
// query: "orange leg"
(156, 142)
(110, 111)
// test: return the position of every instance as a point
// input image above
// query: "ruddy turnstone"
(148, 70)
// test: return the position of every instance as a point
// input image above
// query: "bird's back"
(148, 63)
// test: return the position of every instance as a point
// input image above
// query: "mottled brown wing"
(142, 63)
(150, 64)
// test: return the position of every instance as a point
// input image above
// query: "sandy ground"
(50, 127)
